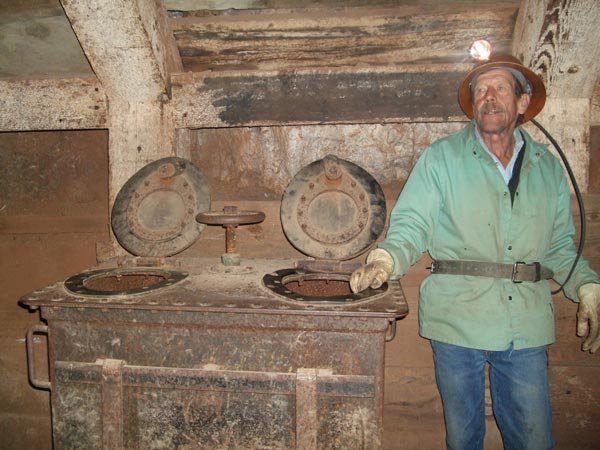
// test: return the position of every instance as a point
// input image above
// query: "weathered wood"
(12, 225)
(124, 44)
(156, 25)
(195, 5)
(130, 46)
(415, 93)
(52, 104)
(567, 120)
(595, 119)
(594, 184)
(119, 40)
(39, 43)
(284, 39)
(412, 93)
(592, 239)
(575, 396)
(559, 40)
(184, 139)
(139, 133)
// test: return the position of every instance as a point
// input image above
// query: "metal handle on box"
(391, 331)
(39, 329)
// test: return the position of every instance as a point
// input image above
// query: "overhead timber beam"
(412, 93)
(52, 104)
(370, 36)
(330, 65)
(559, 39)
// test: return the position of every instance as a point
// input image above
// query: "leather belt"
(517, 272)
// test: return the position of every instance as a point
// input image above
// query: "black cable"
(579, 203)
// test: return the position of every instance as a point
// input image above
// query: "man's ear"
(523, 103)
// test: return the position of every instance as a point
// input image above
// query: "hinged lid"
(155, 211)
(333, 209)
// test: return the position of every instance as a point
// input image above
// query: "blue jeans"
(520, 396)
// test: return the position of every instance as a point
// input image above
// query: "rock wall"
(258, 163)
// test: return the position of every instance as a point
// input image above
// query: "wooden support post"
(559, 41)
(131, 48)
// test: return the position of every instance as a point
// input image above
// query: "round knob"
(230, 216)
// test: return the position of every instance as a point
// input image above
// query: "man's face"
(495, 102)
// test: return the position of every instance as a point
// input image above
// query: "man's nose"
(490, 93)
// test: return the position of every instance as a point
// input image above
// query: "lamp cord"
(579, 203)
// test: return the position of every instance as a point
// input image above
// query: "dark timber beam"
(414, 93)
(292, 39)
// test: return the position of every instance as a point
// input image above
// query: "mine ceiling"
(36, 38)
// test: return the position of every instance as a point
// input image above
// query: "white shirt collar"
(507, 171)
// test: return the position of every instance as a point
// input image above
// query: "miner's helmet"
(528, 80)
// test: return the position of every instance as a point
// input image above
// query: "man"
(492, 208)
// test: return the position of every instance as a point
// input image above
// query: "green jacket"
(457, 206)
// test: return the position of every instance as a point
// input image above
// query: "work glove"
(587, 316)
(377, 271)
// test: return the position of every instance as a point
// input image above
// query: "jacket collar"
(534, 152)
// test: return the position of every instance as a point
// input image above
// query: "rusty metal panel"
(173, 408)
(306, 409)
(112, 404)
(171, 419)
(348, 425)
(77, 411)
(236, 349)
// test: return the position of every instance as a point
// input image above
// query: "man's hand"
(587, 316)
(378, 269)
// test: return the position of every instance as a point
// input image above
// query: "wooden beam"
(415, 93)
(412, 93)
(124, 42)
(571, 130)
(52, 104)
(594, 184)
(291, 39)
(595, 114)
(195, 5)
(131, 49)
(559, 40)
(42, 224)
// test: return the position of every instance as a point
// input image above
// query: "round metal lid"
(333, 209)
(154, 212)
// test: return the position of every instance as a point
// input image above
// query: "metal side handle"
(35, 329)
(391, 331)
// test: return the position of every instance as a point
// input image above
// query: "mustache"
(491, 108)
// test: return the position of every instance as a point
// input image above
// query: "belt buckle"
(515, 271)
(434, 266)
(538, 271)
